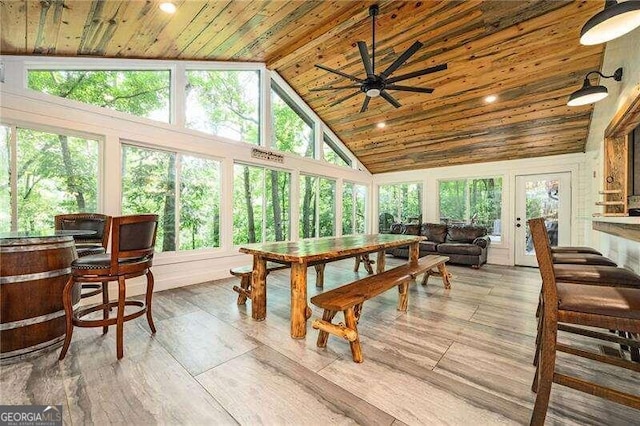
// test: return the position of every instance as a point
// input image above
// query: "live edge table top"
(317, 250)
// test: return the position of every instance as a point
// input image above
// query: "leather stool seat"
(582, 259)
(576, 249)
(89, 250)
(599, 300)
(596, 275)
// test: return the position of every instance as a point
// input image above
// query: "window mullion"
(264, 205)
(178, 208)
(13, 144)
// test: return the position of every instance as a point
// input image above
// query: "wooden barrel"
(33, 273)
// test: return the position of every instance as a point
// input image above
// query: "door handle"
(518, 225)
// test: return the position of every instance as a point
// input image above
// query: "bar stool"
(132, 246)
(87, 245)
(581, 259)
(567, 306)
(574, 249)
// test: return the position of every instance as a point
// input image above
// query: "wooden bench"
(244, 272)
(349, 299)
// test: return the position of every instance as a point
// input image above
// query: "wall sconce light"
(588, 94)
(617, 18)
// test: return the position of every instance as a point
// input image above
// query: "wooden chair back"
(86, 221)
(133, 242)
(545, 261)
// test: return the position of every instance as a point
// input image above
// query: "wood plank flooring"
(457, 356)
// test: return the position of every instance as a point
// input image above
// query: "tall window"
(261, 204)
(224, 103)
(317, 207)
(333, 154)
(474, 201)
(55, 174)
(353, 208)
(141, 93)
(149, 179)
(292, 130)
(399, 203)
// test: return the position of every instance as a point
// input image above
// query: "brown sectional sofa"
(465, 244)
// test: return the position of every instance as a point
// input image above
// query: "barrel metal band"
(35, 247)
(14, 356)
(34, 320)
(33, 277)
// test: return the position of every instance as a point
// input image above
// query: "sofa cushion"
(459, 248)
(466, 234)
(435, 232)
(412, 229)
(431, 246)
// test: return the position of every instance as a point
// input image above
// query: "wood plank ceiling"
(525, 52)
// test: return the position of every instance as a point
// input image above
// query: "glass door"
(547, 196)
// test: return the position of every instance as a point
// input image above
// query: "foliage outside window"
(353, 208)
(476, 201)
(149, 180)
(56, 174)
(224, 103)
(317, 207)
(261, 204)
(137, 92)
(292, 130)
(399, 203)
(333, 154)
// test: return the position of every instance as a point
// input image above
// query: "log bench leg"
(403, 296)
(352, 324)
(245, 285)
(323, 335)
(446, 276)
(425, 278)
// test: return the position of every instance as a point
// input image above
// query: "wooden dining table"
(311, 252)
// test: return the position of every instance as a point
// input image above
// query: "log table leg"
(259, 289)
(320, 274)
(298, 300)
(414, 253)
(381, 262)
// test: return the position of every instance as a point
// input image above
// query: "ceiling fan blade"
(401, 59)
(409, 88)
(345, 98)
(390, 99)
(437, 68)
(366, 60)
(350, 77)
(365, 104)
(319, 89)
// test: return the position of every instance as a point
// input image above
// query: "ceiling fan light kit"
(375, 85)
(615, 20)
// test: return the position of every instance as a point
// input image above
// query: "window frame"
(177, 195)
(291, 103)
(502, 243)
(354, 204)
(317, 205)
(328, 140)
(421, 200)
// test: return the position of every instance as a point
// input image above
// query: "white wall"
(503, 252)
(623, 52)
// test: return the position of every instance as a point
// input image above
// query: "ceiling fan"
(378, 84)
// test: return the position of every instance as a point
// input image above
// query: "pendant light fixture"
(588, 94)
(617, 19)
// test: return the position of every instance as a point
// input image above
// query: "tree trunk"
(277, 212)
(247, 196)
(306, 208)
(70, 176)
(169, 219)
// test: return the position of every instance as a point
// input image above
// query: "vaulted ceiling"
(525, 52)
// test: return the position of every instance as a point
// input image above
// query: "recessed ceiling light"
(381, 125)
(168, 7)
(491, 99)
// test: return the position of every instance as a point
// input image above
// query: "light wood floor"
(461, 356)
